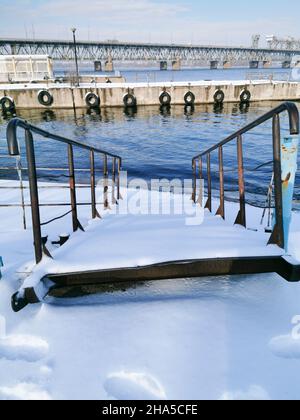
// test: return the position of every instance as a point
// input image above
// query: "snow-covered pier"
(122, 243)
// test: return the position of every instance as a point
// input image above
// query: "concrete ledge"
(112, 95)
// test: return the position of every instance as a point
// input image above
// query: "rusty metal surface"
(13, 149)
(279, 233)
(181, 269)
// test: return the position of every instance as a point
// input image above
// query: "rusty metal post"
(209, 185)
(95, 213)
(72, 183)
(34, 197)
(277, 236)
(113, 197)
(241, 218)
(221, 210)
(118, 180)
(194, 181)
(200, 198)
(105, 180)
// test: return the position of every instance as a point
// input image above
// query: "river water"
(157, 143)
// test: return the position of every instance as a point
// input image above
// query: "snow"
(212, 338)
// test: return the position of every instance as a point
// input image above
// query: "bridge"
(110, 51)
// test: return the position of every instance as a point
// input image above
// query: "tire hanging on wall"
(92, 100)
(129, 101)
(165, 99)
(45, 98)
(189, 99)
(245, 96)
(219, 96)
(7, 104)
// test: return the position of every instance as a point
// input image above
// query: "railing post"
(209, 185)
(72, 182)
(118, 180)
(221, 209)
(105, 188)
(194, 181)
(34, 197)
(200, 198)
(241, 218)
(277, 237)
(95, 213)
(113, 180)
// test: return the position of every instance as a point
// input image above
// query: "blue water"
(160, 144)
(186, 74)
(156, 144)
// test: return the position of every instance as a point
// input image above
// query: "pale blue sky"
(216, 21)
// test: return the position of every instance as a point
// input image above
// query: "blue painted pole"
(289, 154)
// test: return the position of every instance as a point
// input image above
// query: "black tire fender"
(219, 96)
(245, 96)
(7, 104)
(189, 98)
(129, 100)
(165, 98)
(45, 98)
(92, 100)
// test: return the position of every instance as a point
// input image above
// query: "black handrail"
(14, 150)
(278, 232)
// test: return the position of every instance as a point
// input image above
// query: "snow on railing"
(14, 150)
(284, 176)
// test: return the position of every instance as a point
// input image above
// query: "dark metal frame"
(13, 149)
(277, 236)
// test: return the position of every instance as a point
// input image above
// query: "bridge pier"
(267, 64)
(109, 66)
(287, 64)
(254, 64)
(176, 64)
(214, 65)
(227, 65)
(98, 66)
(163, 65)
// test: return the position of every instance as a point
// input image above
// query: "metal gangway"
(108, 268)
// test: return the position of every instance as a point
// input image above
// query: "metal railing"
(14, 150)
(277, 236)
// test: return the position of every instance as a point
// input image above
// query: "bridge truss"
(91, 51)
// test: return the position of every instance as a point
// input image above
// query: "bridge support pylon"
(227, 65)
(267, 64)
(176, 64)
(97, 66)
(109, 66)
(163, 65)
(214, 65)
(254, 64)
(287, 64)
